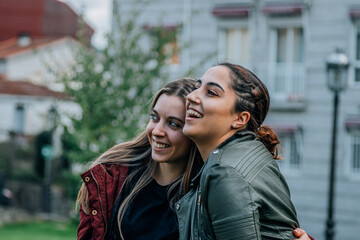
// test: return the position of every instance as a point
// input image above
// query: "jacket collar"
(238, 134)
(245, 134)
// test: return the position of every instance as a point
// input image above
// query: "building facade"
(286, 43)
(36, 38)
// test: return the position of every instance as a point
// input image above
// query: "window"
(355, 56)
(172, 51)
(234, 46)
(19, 118)
(352, 125)
(355, 152)
(164, 39)
(2, 66)
(290, 148)
(287, 69)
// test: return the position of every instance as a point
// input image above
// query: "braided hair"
(253, 97)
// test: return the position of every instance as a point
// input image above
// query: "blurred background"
(68, 92)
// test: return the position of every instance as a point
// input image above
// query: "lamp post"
(336, 68)
(47, 152)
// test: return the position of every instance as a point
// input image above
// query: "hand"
(301, 234)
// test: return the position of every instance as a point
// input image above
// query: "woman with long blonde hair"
(139, 181)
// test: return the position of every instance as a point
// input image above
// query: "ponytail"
(269, 138)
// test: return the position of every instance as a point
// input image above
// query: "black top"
(149, 216)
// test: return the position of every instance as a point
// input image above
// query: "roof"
(26, 88)
(40, 18)
(11, 47)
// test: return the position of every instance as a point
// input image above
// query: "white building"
(286, 43)
(28, 91)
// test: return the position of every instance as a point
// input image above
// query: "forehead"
(218, 74)
(170, 106)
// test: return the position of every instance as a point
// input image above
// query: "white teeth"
(160, 145)
(193, 113)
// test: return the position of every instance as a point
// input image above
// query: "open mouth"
(160, 145)
(193, 114)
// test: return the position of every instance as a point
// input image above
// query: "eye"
(174, 124)
(153, 117)
(212, 92)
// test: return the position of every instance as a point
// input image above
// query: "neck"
(205, 147)
(205, 150)
(167, 173)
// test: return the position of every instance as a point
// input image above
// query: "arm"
(230, 206)
(250, 207)
(84, 230)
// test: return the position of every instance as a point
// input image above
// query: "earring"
(234, 125)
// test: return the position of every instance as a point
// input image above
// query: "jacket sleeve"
(230, 206)
(84, 231)
(242, 208)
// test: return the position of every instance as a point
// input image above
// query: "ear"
(241, 120)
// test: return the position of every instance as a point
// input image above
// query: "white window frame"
(350, 171)
(223, 25)
(223, 45)
(19, 118)
(355, 64)
(149, 40)
(292, 90)
(285, 164)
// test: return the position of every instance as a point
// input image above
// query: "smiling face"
(210, 108)
(168, 143)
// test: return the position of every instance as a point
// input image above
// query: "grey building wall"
(326, 25)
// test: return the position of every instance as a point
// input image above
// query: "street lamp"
(47, 152)
(336, 67)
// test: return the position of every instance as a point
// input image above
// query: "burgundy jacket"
(104, 183)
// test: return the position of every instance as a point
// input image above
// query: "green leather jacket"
(239, 194)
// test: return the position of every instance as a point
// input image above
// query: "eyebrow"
(171, 117)
(211, 84)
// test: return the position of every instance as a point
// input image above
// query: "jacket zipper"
(101, 207)
(193, 220)
(198, 211)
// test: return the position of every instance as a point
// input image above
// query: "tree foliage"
(113, 87)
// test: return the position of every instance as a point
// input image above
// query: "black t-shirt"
(149, 216)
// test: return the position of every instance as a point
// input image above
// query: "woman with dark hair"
(129, 191)
(240, 192)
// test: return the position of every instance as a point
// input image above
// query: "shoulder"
(108, 171)
(247, 158)
(253, 165)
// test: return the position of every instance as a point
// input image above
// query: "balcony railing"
(286, 81)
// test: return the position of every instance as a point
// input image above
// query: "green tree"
(113, 87)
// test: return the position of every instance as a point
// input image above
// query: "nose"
(159, 130)
(193, 97)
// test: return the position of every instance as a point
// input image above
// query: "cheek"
(180, 139)
(149, 129)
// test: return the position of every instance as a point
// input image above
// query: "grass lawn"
(38, 231)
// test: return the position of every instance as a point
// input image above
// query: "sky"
(97, 13)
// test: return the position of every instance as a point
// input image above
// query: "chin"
(187, 131)
(190, 133)
(159, 160)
